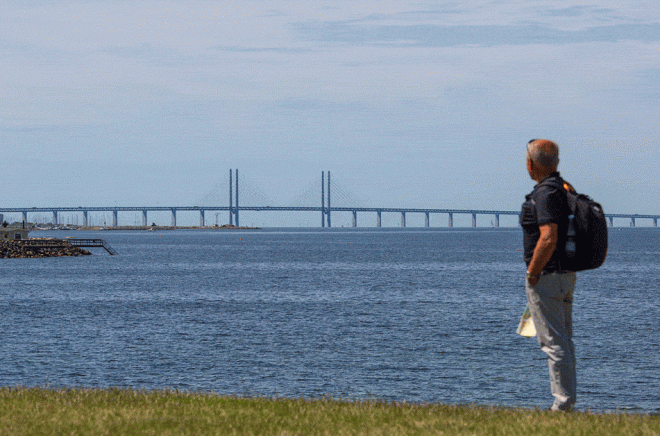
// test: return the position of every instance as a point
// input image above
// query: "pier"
(49, 247)
(89, 243)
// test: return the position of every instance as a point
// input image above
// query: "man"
(544, 220)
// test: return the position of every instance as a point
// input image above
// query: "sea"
(417, 315)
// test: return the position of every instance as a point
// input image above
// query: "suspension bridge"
(325, 208)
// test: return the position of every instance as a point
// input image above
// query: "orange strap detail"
(568, 187)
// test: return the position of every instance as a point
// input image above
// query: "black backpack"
(586, 238)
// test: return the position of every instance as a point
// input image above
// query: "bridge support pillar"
(201, 218)
(328, 209)
(403, 219)
(55, 217)
(450, 222)
(84, 212)
(474, 220)
(355, 218)
(114, 218)
(322, 198)
(497, 220)
(378, 218)
(236, 211)
(231, 205)
(632, 221)
(173, 217)
(426, 219)
(144, 217)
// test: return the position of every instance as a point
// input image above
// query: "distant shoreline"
(143, 228)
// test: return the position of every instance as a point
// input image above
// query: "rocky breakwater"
(38, 247)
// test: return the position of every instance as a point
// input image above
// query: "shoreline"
(142, 228)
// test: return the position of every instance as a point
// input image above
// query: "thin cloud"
(355, 33)
(278, 50)
(578, 11)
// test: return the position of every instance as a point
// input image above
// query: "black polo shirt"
(544, 205)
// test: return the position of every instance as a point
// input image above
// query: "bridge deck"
(325, 211)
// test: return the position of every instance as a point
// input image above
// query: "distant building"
(13, 233)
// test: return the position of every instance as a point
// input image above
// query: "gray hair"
(543, 153)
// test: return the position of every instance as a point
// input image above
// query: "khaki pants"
(551, 304)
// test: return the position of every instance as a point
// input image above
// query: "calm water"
(423, 315)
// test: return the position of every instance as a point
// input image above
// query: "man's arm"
(543, 251)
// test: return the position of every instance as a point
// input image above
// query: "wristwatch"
(530, 275)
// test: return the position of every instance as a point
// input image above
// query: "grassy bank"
(125, 412)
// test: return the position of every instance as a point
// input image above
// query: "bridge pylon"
(328, 208)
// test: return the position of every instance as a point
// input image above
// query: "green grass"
(43, 411)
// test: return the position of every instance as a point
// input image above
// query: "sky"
(406, 103)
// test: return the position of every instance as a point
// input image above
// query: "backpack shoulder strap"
(568, 187)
